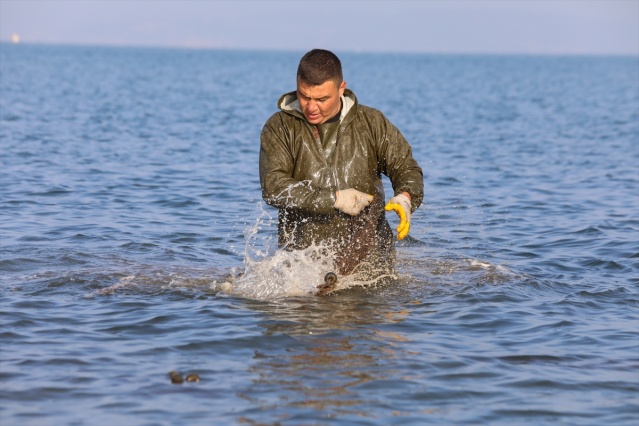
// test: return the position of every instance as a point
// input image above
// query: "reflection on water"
(338, 348)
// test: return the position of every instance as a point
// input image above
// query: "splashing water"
(272, 272)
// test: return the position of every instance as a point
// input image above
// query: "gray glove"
(351, 201)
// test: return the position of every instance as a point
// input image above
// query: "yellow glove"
(351, 201)
(401, 204)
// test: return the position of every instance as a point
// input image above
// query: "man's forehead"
(311, 90)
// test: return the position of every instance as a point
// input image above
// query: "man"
(321, 160)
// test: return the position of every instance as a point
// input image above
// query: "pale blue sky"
(433, 26)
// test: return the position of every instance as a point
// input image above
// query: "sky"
(575, 27)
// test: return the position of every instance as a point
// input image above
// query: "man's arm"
(403, 171)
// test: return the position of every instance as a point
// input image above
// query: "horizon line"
(297, 50)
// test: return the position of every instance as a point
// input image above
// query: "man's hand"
(351, 201)
(401, 205)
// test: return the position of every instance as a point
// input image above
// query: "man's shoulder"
(366, 110)
(280, 117)
(371, 115)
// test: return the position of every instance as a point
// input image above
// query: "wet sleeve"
(277, 163)
(399, 165)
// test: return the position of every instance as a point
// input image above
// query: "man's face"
(320, 103)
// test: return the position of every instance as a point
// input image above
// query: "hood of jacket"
(289, 104)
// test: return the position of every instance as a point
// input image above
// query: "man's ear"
(342, 86)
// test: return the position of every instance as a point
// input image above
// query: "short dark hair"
(319, 66)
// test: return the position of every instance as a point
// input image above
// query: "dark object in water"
(176, 378)
(330, 278)
(192, 378)
(330, 282)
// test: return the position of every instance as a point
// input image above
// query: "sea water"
(134, 242)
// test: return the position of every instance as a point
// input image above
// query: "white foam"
(271, 272)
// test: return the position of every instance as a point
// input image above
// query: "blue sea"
(134, 242)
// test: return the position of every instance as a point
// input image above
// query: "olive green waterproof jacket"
(302, 166)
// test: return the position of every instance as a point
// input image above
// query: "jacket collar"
(289, 104)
